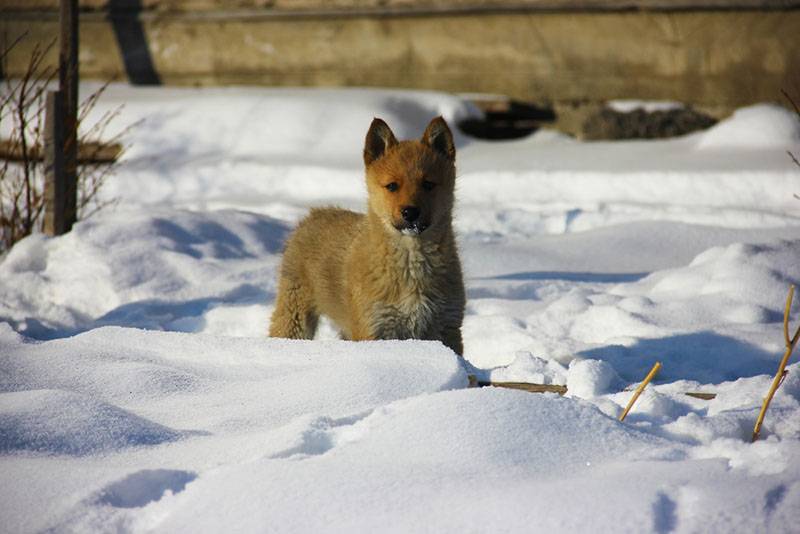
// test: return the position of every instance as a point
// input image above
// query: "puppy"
(392, 273)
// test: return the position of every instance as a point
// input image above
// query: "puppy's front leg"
(451, 337)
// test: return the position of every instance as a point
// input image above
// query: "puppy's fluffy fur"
(392, 273)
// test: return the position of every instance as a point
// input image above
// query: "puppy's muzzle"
(412, 224)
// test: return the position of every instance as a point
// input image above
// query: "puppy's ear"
(438, 136)
(379, 139)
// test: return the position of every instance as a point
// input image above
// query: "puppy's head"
(411, 183)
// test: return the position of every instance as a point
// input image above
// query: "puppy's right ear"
(379, 139)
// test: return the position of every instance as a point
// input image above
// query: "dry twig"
(781, 374)
(797, 111)
(21, 198)
(639, 390)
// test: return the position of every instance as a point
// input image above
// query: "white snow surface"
(139, 392)
(626, 106)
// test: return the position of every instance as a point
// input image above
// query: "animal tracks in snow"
(318, 435)
(665, 518)
(143, 487)
(773, 498)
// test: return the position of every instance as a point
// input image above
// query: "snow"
(589, 378)
(626, 106)
(754, 127)
(139, 392)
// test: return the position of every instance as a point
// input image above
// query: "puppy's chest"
(413, 297)
(412, 316)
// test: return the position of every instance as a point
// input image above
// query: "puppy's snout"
(410, 213)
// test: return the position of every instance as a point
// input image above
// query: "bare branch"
(791, 101)
(786, 310)
(13, 44)
(793, 158)
(22, 168)
(781, 374)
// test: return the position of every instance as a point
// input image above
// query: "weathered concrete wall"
(397, 6)
(716, 59)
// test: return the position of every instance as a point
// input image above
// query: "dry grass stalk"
(639, 390)
(781, 374)
(21, 198)
(797, 111)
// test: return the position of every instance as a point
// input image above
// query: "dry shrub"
(22, 117)
(796, 110)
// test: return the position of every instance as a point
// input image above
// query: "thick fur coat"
(392, 273)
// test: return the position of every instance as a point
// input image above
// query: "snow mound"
(754, 127)
(753, 278)
(685, 317)
(62, 422)
(431, 460)
(276, 380)
(591, 378)
(155, 269)
(715, 319)
(473, 430)
(528, 368)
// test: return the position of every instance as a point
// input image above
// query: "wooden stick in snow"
(555, 388)
(526, 386)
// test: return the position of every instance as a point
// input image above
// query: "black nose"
(410, 213)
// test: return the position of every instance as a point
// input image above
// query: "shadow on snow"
(706, 357)
(571, 276)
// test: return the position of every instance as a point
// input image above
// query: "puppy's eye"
(392, 187)
(427, 186)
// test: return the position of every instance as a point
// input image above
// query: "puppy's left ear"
(438, 136)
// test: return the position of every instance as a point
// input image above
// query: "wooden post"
(68, 85)
(61, 131)
(54, 184)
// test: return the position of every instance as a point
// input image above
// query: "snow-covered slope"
(138, 390)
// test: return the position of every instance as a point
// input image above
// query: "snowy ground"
(138, 391)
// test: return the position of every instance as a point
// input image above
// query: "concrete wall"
(284, 7)
(717, 59)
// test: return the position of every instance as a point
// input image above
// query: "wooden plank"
(91, 152)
